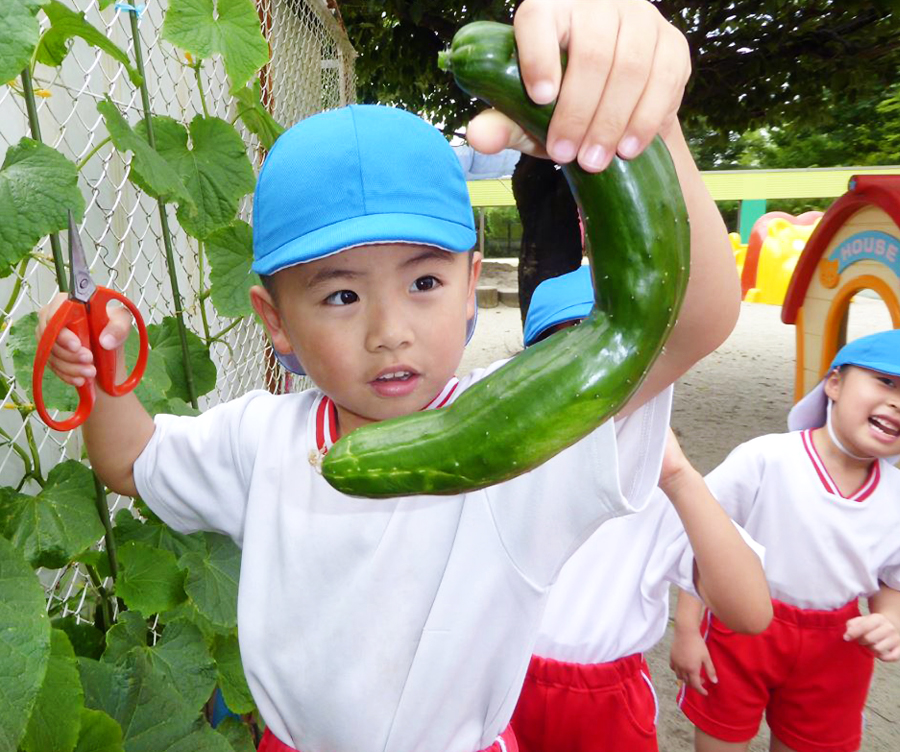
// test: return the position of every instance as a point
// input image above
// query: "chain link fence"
(311, 69)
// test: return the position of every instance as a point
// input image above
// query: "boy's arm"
(728, 574)
(689, 655)
(879, 630)
(118, 428)
(625, 76)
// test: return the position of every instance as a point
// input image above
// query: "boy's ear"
(267, 310)
(474, 275)
(832, 385)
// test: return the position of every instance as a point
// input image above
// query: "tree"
(756, 63)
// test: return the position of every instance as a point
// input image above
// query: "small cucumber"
(560, 390)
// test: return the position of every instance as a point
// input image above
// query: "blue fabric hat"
(353, 176)
(877, 352)
(557, 300)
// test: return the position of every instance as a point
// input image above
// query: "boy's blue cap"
(877, 352)
(559, 299)
(357, 175)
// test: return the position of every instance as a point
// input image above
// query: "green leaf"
(38, 186)
(230, 252)
(150, 711)
(129, 632)
(66, 24)
(56, 718)
(99, 733)
(19, 32)
(24, 644)
(155, 384)
(227, 27)
(22, 346)
(188, 612)
(149, 580)
(86, 639)
(237, 733)
(59, 523)
(182, 656)
(164, 338)
(149, 170)
(214, 168)
(232, 681)
(155, 534)
(212, 579)
(255, 116)
(97, 559)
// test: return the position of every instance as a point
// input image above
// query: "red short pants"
(811, 684)
(601, 707)
(506, 742)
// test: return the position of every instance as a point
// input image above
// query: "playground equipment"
(856, 246)
(776, 242)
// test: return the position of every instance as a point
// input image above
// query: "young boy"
(406, 624)
(825, 502)
(588, 687)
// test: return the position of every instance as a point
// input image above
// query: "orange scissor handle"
(88, 323)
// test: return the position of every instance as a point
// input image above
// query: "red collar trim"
(862, 493)
(326, 415)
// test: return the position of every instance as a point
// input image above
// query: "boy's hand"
(69, 359)
(689, 657)
(625, 77)
(876, 632)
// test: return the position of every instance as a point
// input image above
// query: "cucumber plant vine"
(156, 627)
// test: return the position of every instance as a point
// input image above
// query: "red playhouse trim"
(882, 191)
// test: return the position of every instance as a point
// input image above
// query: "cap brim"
(367, 230)
(809, 412)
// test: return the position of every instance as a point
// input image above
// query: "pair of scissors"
(85, 314)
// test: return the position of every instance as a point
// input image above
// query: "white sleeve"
(544, 515)
(736, 481)
(194, 474)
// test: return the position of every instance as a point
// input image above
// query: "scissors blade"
(81, 284)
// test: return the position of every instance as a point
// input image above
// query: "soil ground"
(742, 390)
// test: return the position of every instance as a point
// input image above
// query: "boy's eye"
(423, 284)
(342, 297)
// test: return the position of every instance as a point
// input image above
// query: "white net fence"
(311, 70)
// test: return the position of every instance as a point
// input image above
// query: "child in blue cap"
(588, 687)
(407, 624)
(824, 500)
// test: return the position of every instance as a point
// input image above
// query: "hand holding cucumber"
(626, 72)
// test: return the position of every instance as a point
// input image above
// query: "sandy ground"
(742, 390)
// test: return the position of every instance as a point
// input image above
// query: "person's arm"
(879, 630)
(118, 428)
(625, 76)
(689, 657)
(728, 574)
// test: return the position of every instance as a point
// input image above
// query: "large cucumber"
(558, 391)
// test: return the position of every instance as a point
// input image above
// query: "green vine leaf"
(66, 24)
(226, 27)
(59, 523)
(255, 116)
(99, 733)
(164, 338)
(237, 733)
(155, 384)
(22, 346)
(129, 632)
(212, 579)
(230, 252)
(86, 639)
(24, 644)
(214, 168)
(232, 682)
(19, 34)
(38, 186)
(149, 170)
(155, 534)
(56, 718)
(149, 580)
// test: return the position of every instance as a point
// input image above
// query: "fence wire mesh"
(311, 69)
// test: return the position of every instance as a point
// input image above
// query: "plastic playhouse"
(855, 246)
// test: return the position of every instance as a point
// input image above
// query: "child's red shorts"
(811, 684)
(506, 742)
(601, 707)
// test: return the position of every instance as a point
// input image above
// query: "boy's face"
(866, 412)
(379, 328)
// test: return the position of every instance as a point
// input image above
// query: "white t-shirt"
(394, 624)
(822, 549)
